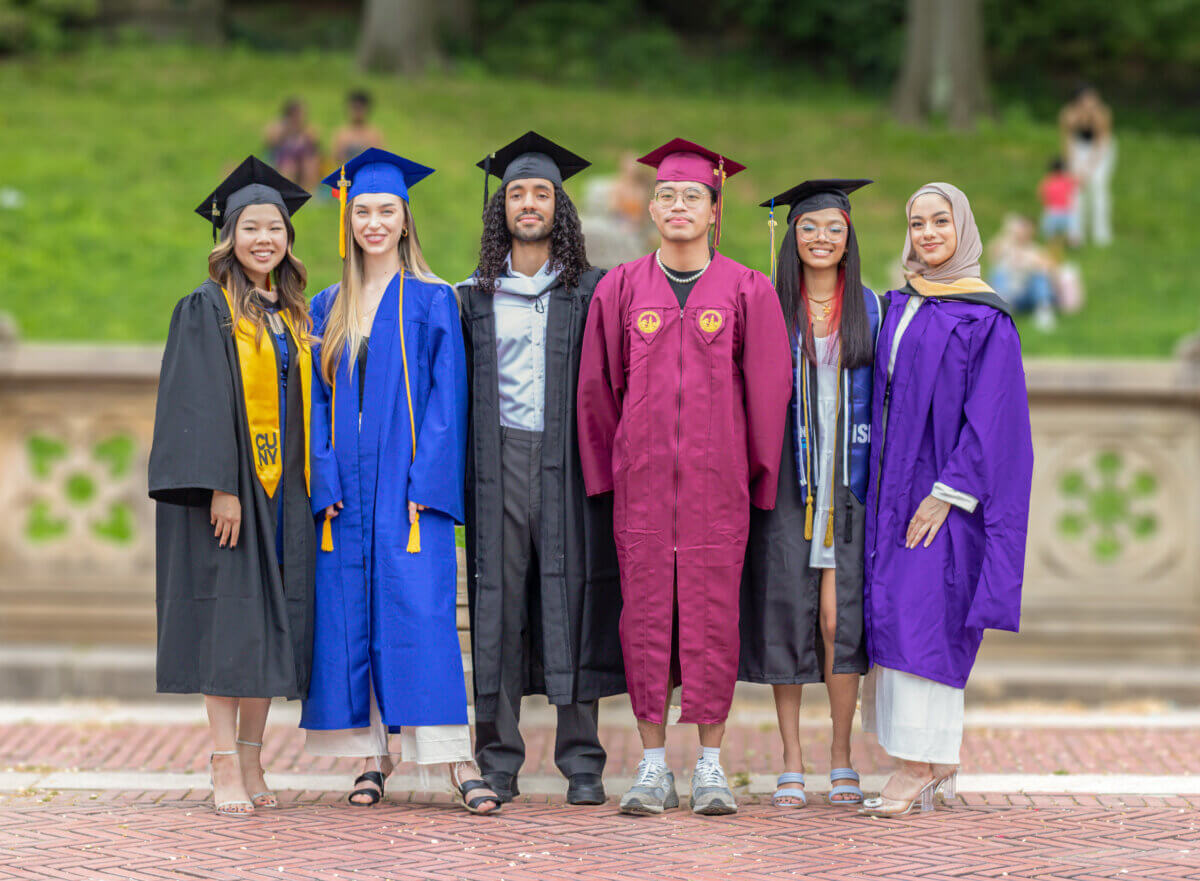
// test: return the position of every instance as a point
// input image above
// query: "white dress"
(915, 718)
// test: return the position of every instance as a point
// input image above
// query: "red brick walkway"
(141, 834)
(157, 836)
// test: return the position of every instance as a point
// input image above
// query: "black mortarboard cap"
(531, 155)
(813, 195)
(251, 183)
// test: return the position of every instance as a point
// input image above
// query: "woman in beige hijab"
(948, 499)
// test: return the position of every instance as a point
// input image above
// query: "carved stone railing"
(1113, 568)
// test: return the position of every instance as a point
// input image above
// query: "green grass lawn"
(113, 148)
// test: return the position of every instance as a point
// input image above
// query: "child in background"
(1058, 193)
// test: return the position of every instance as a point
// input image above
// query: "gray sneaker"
(652, 792)
(711, 794)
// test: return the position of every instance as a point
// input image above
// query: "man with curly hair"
(541, 562)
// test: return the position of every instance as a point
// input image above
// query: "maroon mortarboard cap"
(685, 160)
(680, 160)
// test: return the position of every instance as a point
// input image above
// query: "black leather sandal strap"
(371, 777)
(469, 786)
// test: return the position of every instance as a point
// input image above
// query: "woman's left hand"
(413, 508)
(930, 516)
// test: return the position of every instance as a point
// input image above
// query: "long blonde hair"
(290, 280)
(342, 328)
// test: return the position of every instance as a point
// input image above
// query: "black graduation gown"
(579, 658)
(781, 594)
(231, 622)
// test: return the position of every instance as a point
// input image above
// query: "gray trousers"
(499, 747)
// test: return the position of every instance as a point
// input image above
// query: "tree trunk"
(398, 35)
(943, 70)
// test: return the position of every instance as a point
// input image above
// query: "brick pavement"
(143, 834)
(175, 836)
(748, 749)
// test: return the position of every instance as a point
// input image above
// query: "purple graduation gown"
(957, 413)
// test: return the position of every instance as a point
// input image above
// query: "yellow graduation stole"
(260, 390)
(414, 532)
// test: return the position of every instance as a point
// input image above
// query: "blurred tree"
(408, 35)
(398, 35)
(943, 70)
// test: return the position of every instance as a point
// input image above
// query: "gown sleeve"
(326, 487)
(195, 448)
(767, 374)
(993, 461)
(437, 477)
(601, 384)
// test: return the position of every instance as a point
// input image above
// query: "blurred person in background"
(1021, 272)
(1057, 191)
(950, 428)
(1085, 125)
(231, 472)
(294, 145)
(390, 403)
(357, 133)
(802, 588)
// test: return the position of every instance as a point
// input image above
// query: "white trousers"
(1094, 166)
(913, 718)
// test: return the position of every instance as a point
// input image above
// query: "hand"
(332, 510)
(226, 516)
(413, 508)
(930, 516)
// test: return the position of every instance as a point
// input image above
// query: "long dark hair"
(568, 256)
(854, 331)
(290, 279)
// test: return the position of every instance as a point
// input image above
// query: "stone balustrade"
(1113, 564)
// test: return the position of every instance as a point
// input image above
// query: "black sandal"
(375, 794)
(472, 805)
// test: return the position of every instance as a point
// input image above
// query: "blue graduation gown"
(384, 616)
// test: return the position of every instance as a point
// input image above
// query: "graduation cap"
(530, 156)
(680, 160)
(373, 171)
(251, 183)
(812, 195)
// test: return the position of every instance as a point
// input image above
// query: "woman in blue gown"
(389, 398)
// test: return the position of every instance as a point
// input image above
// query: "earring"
(404, 233)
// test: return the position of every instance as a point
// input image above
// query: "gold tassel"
(414, 536)
(771, 224)
(720, 174)
(829, 530)
(808, 518)
(327, 534)
(342, 185)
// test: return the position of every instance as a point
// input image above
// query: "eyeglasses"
(692, 197)
(809, 232)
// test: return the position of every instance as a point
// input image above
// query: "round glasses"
(810, 232)
(692, 197)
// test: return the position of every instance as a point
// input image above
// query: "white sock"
(656, 756)
(710, 755)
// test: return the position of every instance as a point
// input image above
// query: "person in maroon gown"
(684, 385)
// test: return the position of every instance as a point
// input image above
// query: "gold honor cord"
(260, 391)
(414, 532)
(808, 455)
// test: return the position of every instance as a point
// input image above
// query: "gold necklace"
(825, 308)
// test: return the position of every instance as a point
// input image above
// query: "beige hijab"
(964, 263)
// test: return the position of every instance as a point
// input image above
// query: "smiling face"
(260, 241)
(378, 221)
(821, 237)
(931, 226)
(682, 210)
(529, 209)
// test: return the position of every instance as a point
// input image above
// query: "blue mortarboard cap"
(378, 171)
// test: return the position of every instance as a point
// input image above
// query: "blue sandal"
(845, 788)
(784, 791)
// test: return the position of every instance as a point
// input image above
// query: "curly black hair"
(568, 255)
